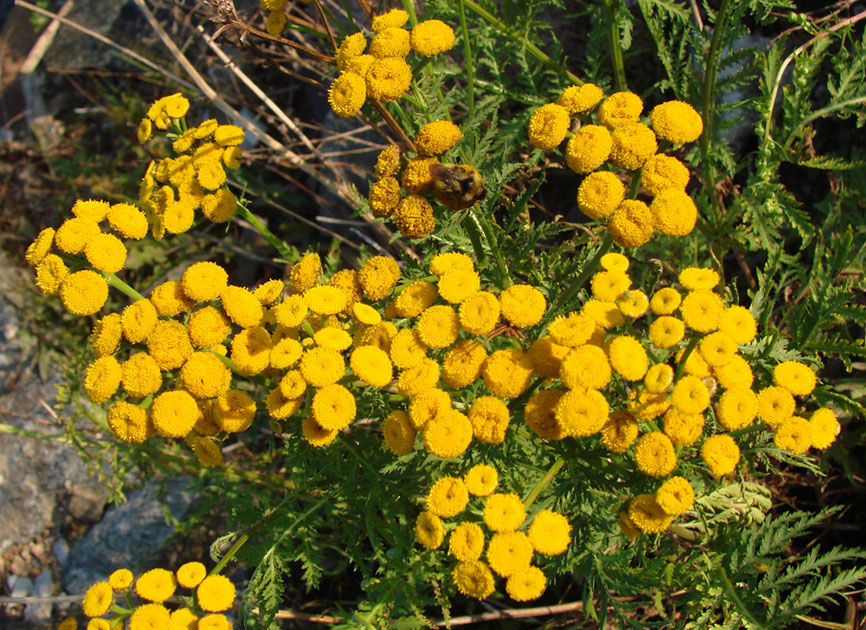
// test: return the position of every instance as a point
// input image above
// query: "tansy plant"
(510, 404)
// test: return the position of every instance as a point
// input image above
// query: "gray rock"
(60, 549)
(88, 500)
(128, 536)
(19, 586)
(42, 587)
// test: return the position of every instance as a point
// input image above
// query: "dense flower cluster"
(612, 134)
(383, 73)
(209, 597)
(404, 193)
(510, 545)
(173, 188)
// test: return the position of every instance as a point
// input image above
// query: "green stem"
(548, 477)
(119, 284)
(635, 185)
(515, 36)
(504, 276)
(409, 6)
(264, 231)
(470, 224)
(709, 109)
(467, 56)
(13, 430)
(588, 269)
(824, 111)
(681, 365)
(731, 591)
(615, 48)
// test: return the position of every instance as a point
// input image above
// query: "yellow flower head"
(305, 273)
(157, 585)
(208, 327)
(429, 530)
(407, 350)
(481, 480)
(540, 414)
(737, 408)
(388, 162)
(683, 429)
(438, 326)
(619, 109)
(675, 495)
(40, 246)
(738, 323)
(674, 213)
(93, 209)
(279, 406)
(228, 135)
(185, 619)
(447, 498)
(702, 310)
(74, 234)
(577, 99)
(458, 285)
(646, 405)
(83, 292)
(823, 428)
(120, 580)
(220, 206)
(250, 350)
(415, 298)
(619, 432)
(102, 379)
(572, 330)
(504, 512)
(432, 37)
(128, 422)
(242, 307)
(395, 18)
(398, 432)
(479, 312)
(441, 263)
(550, 533)
(633, 144)
(690, 395)
(149, 616)
(426, 405)
(371, 365)
(631, 223)
(174, 414)
(50, 274)
(633, 303)
(663, 171)
(607, 286)
(654, 454)
(388, 79)
(234, 411)
(169, 299)
(326, 300)
(379, 335)
(333, 338)
(628, 357)
(647, 515)
(384, 196)
(322, 366)
(526, 584)
(658, 378)
(205, 376)
(466, 542)
(204, 281)
(448, 434)
(677, 122)
(169, 344)
(473, 578)
(548, 126)
(334, 407)
(583, 367)
(215, 593)
(665, 301)
(588, 148)
(416, 177)
(390, 42)
(378, 276)
(599, 194)
(316, 435)
(581, 413)
(98, 599)
(414, 217)
(522, 305)
(736, 373)
(351, 46)
(721, 454)
(191, 574)
(347, 94)
(794, 376)
(509, 552)
(793, 434)
(507, 373)
(463, 363)
(489, 417)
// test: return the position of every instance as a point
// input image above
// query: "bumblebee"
(457, 186)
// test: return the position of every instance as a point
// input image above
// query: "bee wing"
(446, 175)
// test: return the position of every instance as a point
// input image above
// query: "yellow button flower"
(548, 126)
(677, 122)
(432, 37)
(588, 148)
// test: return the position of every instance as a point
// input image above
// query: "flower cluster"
(172, 189)
(209, 597)
(383, 73)
(613, 135)
(511, 546)
(403, 193)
